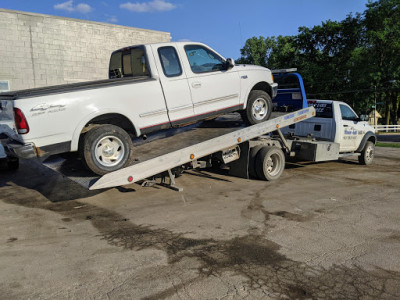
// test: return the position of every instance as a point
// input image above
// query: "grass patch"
(389, 145)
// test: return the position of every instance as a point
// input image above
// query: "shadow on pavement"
(55, 187)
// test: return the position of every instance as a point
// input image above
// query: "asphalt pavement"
(322, 231)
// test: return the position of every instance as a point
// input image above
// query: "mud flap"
(240, 167)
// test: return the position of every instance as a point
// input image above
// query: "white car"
(151, 87)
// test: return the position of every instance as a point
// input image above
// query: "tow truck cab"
(335, 121)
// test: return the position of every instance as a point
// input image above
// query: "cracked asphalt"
(323, 231)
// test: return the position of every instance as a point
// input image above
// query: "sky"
(222, 24)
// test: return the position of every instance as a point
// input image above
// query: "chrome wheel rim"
(272, 165)
(109, 151)
(369, 153)
(259, 109)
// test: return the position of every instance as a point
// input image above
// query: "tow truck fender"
(365, 139)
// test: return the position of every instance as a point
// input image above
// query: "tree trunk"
(396, 106)
(388, 105)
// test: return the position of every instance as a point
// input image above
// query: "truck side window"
(115, 70)
(126, 64)
(169, 61)
(347, 113)
(139, 63)
(203, 60)
(130, 62)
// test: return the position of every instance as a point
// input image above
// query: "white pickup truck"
(150, 87)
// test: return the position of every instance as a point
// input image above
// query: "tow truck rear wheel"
(258, 109)
(270, 163)
(252, 160)
(367, 154)
(106, 148)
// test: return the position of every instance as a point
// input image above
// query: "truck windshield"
(203, 60)
(130, 62)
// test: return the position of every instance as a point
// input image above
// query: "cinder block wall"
(40, 50)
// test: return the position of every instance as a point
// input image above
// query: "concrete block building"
(40, 50)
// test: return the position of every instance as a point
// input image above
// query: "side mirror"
(364, 118)
(230, 63)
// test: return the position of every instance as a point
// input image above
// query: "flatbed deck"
(155, 145)
(161, 151)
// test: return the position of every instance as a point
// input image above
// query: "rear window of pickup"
(322, 110)
(129, 62)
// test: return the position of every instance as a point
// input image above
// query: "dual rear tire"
(266, 163)
(9, 163)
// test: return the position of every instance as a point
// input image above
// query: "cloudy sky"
(223, 24)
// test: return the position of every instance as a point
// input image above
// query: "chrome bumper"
(23, 151)
(16, 149)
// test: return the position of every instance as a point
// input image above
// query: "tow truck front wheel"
(367, 154)
(107, 148)
(269, 163)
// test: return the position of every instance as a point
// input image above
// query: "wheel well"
(372, 139)
(112, 119)
(263, 86)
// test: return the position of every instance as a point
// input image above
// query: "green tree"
(382, 22)
(254, 52)
(354, 60)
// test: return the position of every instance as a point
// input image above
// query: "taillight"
(20, 121)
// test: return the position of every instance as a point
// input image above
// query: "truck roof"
(161, 44)
(324, 101)
(168, 44)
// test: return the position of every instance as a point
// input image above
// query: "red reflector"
(130, 178)
(20, 121)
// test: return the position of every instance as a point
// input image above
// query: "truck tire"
(106, 148)
(270, 163)
(13, 163)
(367, 154)
(258, 109)
(252, 160)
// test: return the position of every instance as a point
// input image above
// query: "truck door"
(174, 83)
(213, 88)
(348, 129)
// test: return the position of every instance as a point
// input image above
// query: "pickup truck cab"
(150, 87)
(337, 123)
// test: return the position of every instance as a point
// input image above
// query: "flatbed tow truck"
(221, 141)
(256, 151)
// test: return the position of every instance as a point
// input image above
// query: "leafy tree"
(254, 52)
(382, 21)
(355, 60)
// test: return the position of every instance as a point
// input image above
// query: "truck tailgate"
(7, 125)
(6, 112)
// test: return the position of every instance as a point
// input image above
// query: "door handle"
(345, 125)
(196, 84)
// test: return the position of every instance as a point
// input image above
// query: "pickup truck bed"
(66, 88)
